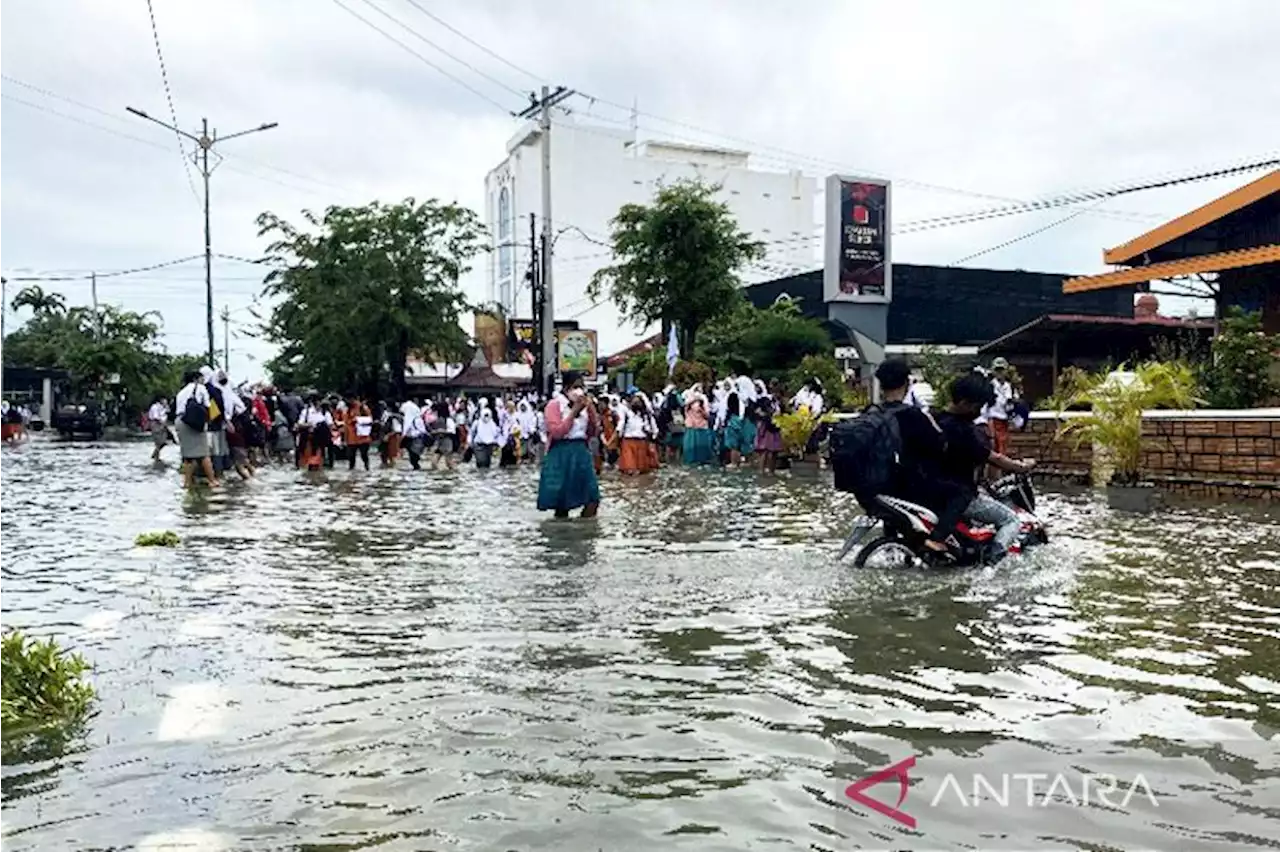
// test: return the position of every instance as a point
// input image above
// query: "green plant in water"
(1114, 422)
(796, 428)
(167, 538)
(42, 688)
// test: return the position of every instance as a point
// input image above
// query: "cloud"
(1003, 98)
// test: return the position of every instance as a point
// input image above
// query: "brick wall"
(1055, 457)
(1214, 457)
(1230, 457)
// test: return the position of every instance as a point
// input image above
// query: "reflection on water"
(422, 661)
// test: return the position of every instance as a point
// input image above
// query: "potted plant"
(1113, 423)
(797, 427)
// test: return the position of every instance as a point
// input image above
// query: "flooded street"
(421, 661)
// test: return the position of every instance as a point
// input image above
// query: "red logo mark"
(899, 771)
(861, 215)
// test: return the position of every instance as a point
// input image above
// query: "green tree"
(369, 287)
(95, 347)
(1243, 358)
(678, 260)
(766, 343)
(40, 302)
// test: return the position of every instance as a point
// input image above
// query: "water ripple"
(422, 661)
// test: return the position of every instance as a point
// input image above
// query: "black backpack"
(194, 414)
(864, 451)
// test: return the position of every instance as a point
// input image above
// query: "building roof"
(640, 347)
(1175, 268)
(1237, 199)
(1040, 333)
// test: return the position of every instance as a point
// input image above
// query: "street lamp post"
(205, 142)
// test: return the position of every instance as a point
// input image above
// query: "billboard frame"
(831, 254)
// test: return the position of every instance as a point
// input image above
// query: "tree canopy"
(763, 342)
(366, 287)
(678, 260)
(95, 347)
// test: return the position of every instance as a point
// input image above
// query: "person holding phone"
(568, 478)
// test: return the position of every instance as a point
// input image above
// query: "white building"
(594, 171)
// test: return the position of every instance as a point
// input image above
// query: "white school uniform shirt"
(485, 431)
(158, 412)
(411, 425)
(232, 400)
(999, 408)
(635, 424)
(313, 416)
(195, 389)
(578, 431)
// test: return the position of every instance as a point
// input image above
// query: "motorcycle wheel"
(892, 550)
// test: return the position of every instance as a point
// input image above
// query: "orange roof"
(1198, 218)
(1175, 268)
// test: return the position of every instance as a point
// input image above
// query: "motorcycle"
(906, 525)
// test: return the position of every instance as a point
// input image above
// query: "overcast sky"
(1011, 99)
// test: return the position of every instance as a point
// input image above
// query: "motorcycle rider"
(918, 475)
(965, 458)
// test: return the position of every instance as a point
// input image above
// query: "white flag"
(673, 351)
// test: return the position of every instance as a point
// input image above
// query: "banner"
(577, 350)
(491, 336)
(858, 267)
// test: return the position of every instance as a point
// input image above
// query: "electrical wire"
(110, 274)
(168, 96)
(411, 31)
(469, 40)
(424, 60)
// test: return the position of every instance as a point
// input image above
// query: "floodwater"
(420, 661)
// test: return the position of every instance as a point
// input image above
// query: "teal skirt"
(568, 478)
(699, 446)
(740, 435)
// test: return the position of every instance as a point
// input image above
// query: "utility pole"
(225, 316)
(97, 317)
(542, 107)
(205, 143)
(4, 311)
(535, 304)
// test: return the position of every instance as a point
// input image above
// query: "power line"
(463, 83)
(469, 40)
(113, 274)
(432, 44)
(253, 161)
(168, 96)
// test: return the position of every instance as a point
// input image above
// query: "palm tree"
(41, 303)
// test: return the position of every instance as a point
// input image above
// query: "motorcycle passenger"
(964, 459)
(918, 476)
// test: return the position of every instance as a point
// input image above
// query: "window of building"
(505, 249)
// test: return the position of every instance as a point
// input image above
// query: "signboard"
(520, 334)
(491, 337)
(577, 350)
(858, 267)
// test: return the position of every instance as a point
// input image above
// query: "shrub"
(937, 368)
(43, 687)
(825, 369)
(1240, 373)
(689, 373)
(1114, 421)
(796, 428)
(652, 376)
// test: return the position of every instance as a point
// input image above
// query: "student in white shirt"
(996, 414)
(485, 437)
(413, 432)
(444, 429)
(158, 422)
(193, 442)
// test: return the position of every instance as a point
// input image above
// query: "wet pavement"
(422, 661)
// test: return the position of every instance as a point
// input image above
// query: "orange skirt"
(312, 458)
(635, 457)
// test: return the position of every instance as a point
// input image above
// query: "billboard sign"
(577, 350)
(858, 267)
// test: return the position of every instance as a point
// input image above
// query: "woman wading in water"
(568, 477)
